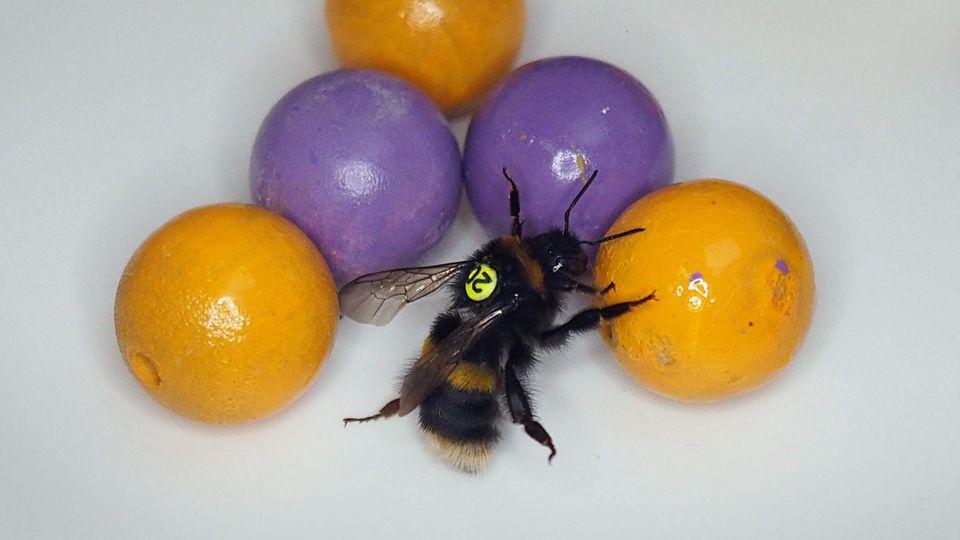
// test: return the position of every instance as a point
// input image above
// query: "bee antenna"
(507, 176)
(612, 237)
(566, 215)
(514, 206)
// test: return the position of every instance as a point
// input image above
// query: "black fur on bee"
(504, 300)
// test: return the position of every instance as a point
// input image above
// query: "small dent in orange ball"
(145, 370)
(664, 358)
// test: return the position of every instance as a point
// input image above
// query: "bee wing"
(376, 298)
(433, 367)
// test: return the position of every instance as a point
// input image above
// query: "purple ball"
(551, 123)
(365, 164)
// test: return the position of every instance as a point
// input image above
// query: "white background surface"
(117, 115)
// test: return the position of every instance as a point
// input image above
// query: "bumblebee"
(504, 302)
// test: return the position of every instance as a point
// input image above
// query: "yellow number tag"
(481, 282)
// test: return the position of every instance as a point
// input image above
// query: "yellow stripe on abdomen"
(427, 345)
(473, 377)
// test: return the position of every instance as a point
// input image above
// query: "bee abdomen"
(459, 417)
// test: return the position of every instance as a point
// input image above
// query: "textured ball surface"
(551, 123)
(365, 164)
(735, 286)
(454, 50)
(225, 313)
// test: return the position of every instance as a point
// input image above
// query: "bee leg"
(388, 410)
(517, 228)
(520, 410)
(576, 286)
(589, 319)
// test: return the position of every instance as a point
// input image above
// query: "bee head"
(574, 259)
(560, 253)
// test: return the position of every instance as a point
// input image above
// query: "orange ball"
(225, 313)
(454, 50)
(734, 282)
